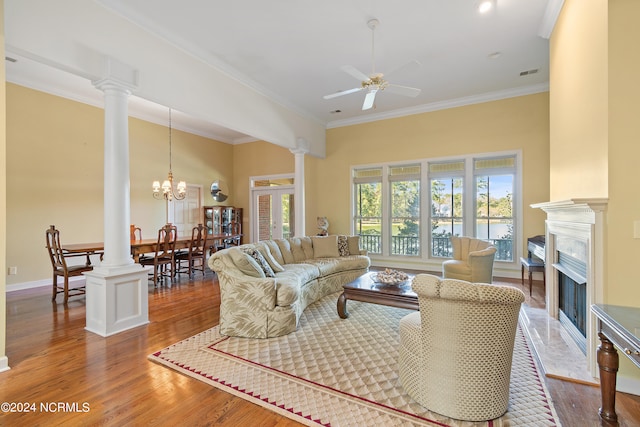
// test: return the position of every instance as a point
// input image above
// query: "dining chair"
(136, 232)
(61, 268)
(233, 229)
(196, 255)
(164, 254)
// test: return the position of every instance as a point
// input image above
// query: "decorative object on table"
(323, 226)
(167, 190)
(327, 383)
(217, 193)
(391, 277)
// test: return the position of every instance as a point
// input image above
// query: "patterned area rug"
(336, 372)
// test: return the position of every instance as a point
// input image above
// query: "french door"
(273, 209)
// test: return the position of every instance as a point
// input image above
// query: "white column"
(299, 184)
(117, 288)
(117, 249)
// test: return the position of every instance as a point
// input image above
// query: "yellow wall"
(578, 101)
(513, 124)
(624, 152)
(55, 174)
(3, 199)
(256, 159)
(595, 127)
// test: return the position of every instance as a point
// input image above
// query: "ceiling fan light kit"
(373, 82)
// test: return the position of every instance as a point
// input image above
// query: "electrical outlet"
(12, 271)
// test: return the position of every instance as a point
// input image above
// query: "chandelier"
(167, 191)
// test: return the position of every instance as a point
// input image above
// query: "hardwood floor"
(75, 377)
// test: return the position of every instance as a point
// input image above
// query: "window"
(446, 183)
(494, 183)
(466, 196)
(405, 210)
(368, 208)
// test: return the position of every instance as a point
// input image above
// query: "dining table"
(143, 246)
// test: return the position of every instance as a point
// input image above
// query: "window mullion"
(469, 196)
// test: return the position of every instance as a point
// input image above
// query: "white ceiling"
(293, 50)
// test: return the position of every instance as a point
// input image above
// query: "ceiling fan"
(374, 82)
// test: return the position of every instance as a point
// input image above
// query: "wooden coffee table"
(365, 289)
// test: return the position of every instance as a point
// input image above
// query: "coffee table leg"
(342, 306)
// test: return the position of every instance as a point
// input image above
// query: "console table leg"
(342, 306)
(608, 365)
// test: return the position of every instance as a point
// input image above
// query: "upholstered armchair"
(472, 260)
(456, 352)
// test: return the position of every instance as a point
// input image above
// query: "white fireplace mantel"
(581, 220)
(595, 205)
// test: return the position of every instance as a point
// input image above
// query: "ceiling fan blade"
(342, 92)
(355, 72)
(409, 66)
(403, 90)
(368, 100)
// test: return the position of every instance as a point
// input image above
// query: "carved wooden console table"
(619, 326)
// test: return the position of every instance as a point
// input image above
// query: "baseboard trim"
(4, 364)
(38, 284)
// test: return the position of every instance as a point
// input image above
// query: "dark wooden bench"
(533, 265)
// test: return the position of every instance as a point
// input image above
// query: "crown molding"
(550, 18)
(443, 105)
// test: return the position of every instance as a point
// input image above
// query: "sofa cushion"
(262, 262)
(274, 249)
(354, 245)
(325, 246)
(266, 253)
(328, 266)
(301, 248)
(285, 250)
(245, 263)
(343, 245)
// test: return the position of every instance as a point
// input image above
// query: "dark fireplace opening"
(572, 297)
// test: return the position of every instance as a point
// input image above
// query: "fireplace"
(574, 254)
(572, 297)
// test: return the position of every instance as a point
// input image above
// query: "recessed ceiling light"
(494, 55)
(485, 6)
(10, 59)
(335, 111)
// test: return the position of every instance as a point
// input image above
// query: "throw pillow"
(343, 245)
(245, 263)
(354, 245)
(264, 265)
(325, 246)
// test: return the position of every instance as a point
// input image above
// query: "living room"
(576, 141)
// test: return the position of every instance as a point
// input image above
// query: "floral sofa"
(265, 286)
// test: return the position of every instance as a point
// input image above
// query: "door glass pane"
(264, 217)
(288, 223)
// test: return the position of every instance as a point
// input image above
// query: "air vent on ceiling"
(10, 59)
(526, 73)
